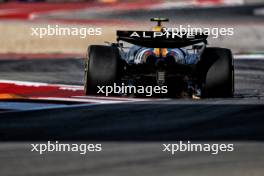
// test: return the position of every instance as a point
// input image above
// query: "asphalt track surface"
(132, 133)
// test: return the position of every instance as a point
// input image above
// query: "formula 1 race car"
(161, 57)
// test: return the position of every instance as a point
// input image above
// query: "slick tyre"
(217, 72)
(101, 66)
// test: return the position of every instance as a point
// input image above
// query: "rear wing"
(152, 39)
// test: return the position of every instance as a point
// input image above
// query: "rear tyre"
(101, 66)
(217, 70)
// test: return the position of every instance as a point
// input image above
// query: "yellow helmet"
(158, 28)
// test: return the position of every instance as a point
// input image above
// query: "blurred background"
(17, 18)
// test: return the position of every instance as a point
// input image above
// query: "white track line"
(111, 98)
(94, 101)
(38, 84)
(249, 56)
